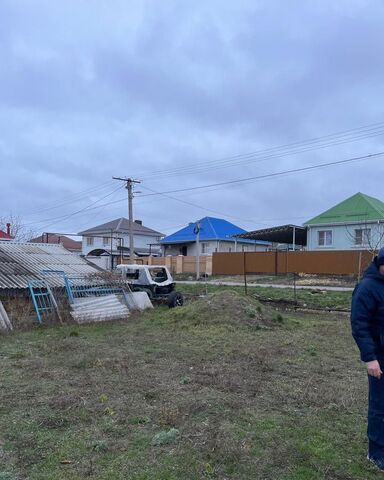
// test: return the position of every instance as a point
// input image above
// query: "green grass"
(319, 299)
(206, 391)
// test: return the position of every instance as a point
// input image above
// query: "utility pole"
(129, 187)
(196, 230)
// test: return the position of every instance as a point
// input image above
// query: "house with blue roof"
(213, 235)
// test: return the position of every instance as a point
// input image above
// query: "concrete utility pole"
(129, 187)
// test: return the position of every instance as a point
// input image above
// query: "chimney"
(139, 222)
(8, 228)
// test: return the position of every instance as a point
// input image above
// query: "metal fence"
(327, 263)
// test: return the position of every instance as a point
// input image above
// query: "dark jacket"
(367, 312)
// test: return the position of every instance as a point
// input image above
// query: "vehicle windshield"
(158, 275)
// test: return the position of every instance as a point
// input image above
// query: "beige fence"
(331, 263)
(179, 263)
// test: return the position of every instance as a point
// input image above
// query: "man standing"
(367, 319)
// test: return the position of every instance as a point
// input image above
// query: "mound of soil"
(227, 307)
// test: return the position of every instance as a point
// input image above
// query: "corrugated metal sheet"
(22, 262)
(5, 323)
(99, 309)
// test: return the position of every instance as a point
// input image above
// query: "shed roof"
(210, 229)
(291, 234)
(358, 208)
(22, 262)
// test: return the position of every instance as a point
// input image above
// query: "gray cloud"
(88, 91)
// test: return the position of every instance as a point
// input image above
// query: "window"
(362, 236)
(325, 238)
(89, 241)
(203, 248)
(106, 241)
(132, 274)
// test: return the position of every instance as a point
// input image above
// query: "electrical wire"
(64, 217)
(269, 175)
(75, 197)
(197, 206)
(274, 152)
(222, 184)
(91, 207)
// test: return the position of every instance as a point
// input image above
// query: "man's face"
(381, 269)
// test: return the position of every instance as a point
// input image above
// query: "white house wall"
(343, 236)
(212, 246)
(140, 241)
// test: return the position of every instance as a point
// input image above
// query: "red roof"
(67, 242)
(5, 236)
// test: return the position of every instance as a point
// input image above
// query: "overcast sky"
(176, 94)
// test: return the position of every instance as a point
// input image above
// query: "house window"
(325, 238)
(89, 241)
(203, 248)
(362, 236)
(106, 241)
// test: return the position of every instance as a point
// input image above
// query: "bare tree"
(19, 231)
(368, 236)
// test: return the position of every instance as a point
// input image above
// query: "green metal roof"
(357, 208)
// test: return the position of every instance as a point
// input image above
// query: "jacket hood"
(373, 269)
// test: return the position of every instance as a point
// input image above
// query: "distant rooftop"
(5, 236)
(290, 234)
(121, 225)
(358, 208)
(52, 238)
(210, 229)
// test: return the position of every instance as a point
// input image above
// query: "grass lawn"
(222, 388)
(317, 299)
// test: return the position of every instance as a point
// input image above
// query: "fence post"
(294, 288)
(245, 272)
(276, 262)
(168, 262)
(179, 264)
(208, 265)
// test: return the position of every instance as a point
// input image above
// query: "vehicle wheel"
(175, 299)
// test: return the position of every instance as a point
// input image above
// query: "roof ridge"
(214, 230)
(372, 201)
(121, 219)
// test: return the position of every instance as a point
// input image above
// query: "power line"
(252, 160)
(75, 197)
(219, 185)
(248, 179)
(64, 217)
(269, 175)
(286, 149)
(197, 206)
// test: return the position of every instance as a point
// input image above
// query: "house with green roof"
(354, 224)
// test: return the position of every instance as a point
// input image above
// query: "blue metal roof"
(210, 229)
